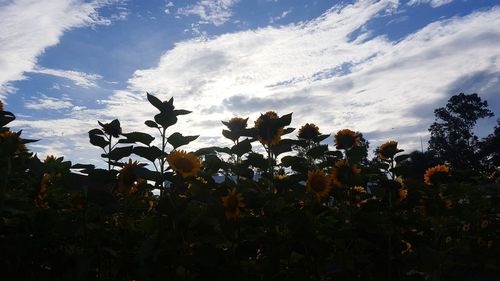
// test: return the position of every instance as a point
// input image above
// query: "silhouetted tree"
(490, 149)
(452, 137)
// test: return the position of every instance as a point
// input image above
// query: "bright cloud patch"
(320, 73)
(48, 103)
(27, 27)
(216, 12)
(433, 3)
(81, 79)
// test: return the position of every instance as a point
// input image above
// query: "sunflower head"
(113, 128)
(128, 179)
(233, 201)
(318, 183)
(184, 163)
(359, 189)
(10, 143)
(387, 150)
(342, 173)
(402, 194)
(268, 129)
(236, 124)
(308, 131)
(49, 159)
(407, 248)
(436, 174)
(345, 139)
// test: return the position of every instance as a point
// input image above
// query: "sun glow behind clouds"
(329, 70)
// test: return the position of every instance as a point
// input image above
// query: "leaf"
(212, 150)
(140, 137)
(283, 146)
(257, 160)
(155, 101)
(165, 119)
(96, 132)
(98, 141)
(401, 157)
(320, 138)
(286, 119)
(151, 124)
(242, 147)
(232, 135)
(181, 112)
(318, 151)
(151, 153)
(83, 166)
(120, 152)
(6, 117)
(288, 131)
(177, 139)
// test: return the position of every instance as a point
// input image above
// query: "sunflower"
(128, 179)
(49, 159)
(113, 128)
(45, 182)
(436, 174)
(407, 247)
(308, 131)
(233, 202)
(359, 189)
(237, 124)
(342, 173)
(402, 194)
(318, 183)
(10, 143)
(345, 139)
(387, 150)
(184, 163)
(267, 131)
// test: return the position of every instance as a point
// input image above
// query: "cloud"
(28, 27)
(325, 70)
(81, 79)
(282, 16)
(48, 103)
(168, 6)
(215, 12)
(433, 3)
(316, 70)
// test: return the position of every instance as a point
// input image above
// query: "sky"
(376, 66)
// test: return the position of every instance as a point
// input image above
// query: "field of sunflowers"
(278, 204)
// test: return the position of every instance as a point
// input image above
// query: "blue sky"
(379, 67)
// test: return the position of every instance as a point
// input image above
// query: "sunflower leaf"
(318, 151)
(257, 160)
(139, 137)
(177, 139)
(6, 117)
(181, 112)
(98, 141)
(155, 101)
(151, 124)
(151, 153)
(120, 152)
(401, 157)
(321, 138)
(165, 119)
(242, 147)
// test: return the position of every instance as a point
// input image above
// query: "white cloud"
(216, 12)
(48, 103)
(168, 6)
(315, 69)
(28, 27)
(282, 16)
(81, 79)
(433, 3)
